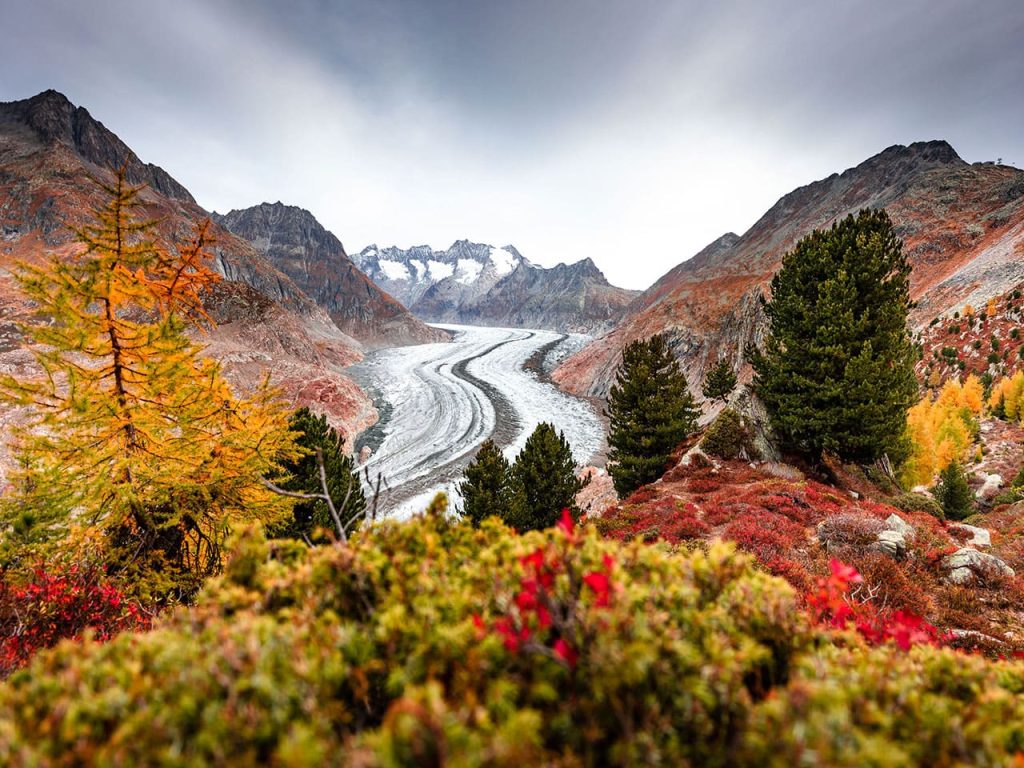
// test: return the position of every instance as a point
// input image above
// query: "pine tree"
(837, 369)
(651, 411)
(343, 485)
(136, 445)
(489, 489)
(720, 381)
(546, 472)
(953, 492)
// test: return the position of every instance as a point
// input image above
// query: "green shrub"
(945, 707)
(917, 502)
(1011, 496)
(407, 647)
(727, 436)
(372, 650)
(953, 492)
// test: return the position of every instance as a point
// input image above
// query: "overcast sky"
(630, 131)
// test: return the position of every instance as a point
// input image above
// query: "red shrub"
(766, 535)
(52, 606)
(543, 621)
(682, 528)
(832, 605)
(641, 495)
(960, 535)
(662, 519)
(788, 505)
(791, 571)
(703, 484)
(823, 500)
(716, 514)
(891, 587)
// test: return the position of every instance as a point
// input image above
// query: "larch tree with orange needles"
(136, 448)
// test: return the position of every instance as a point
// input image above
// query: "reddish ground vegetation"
(54, 605)
(664, 518)
(834, 603)
(795, 528)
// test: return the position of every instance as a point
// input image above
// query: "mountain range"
(295, 305)
(962, 225)
(479, 284)
(265, 323)
(297, 244)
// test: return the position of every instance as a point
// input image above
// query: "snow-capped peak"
(503, 260)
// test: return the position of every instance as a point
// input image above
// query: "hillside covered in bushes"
(437, 643)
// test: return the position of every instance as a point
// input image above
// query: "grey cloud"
(631, 131)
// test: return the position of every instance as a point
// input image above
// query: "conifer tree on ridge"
(546, 472)
(489, 488)
(651, 410)
(837, 369)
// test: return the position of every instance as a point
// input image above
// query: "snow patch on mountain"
(394, 270)
(503, 261)
(439, 270)
(468, 271)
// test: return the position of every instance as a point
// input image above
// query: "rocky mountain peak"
(477, 283)
(294, 241)
(960, 223)
(52, 117)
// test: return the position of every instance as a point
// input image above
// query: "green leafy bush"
(917, 502)
(433, 642)
(727, 436)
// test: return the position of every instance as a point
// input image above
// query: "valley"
(439, 402)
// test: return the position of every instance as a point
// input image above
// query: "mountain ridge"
(963, 231)
(294, 241)
(478, 283)
(49, 151)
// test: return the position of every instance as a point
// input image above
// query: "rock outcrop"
(963, 231)
(482, 285)
(968, 566)
(294, 242)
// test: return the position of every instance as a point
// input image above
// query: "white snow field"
(439, 402)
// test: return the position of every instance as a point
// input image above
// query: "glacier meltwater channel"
(439, 402)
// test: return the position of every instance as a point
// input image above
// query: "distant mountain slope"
(480, 284)
(266, 324)
(962, 225)
(297, 244)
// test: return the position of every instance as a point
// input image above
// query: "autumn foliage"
(1007, 397)
(53, 605)
(942, 429)
(430, 642)
(834, 605)
(135, 443)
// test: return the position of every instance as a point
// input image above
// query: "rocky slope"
(479, 284)
(962, 226)
(297, 244)
(266, 324)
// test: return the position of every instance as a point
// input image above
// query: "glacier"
(439, 402)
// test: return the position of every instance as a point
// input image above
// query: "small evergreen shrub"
(727, 436)
(953, 492)
(917, 502)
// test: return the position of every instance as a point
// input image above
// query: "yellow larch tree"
(941, 429)
(1007, 394)
(135, 444)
